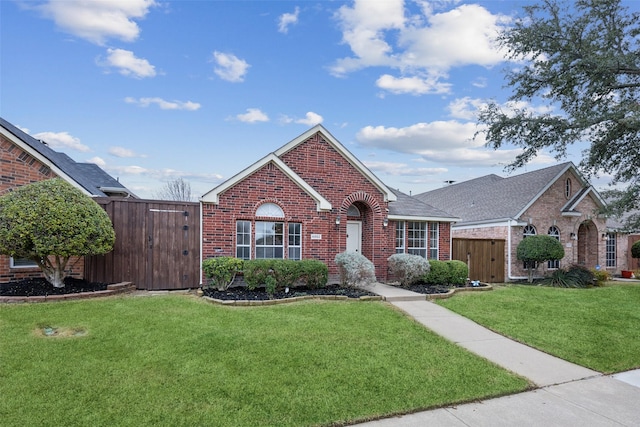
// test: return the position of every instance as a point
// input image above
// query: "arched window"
(270, 210)
(353, 211)
(567, 188)
(554, 232)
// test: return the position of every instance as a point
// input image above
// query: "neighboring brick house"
(313, 199)
(556, 200)
(23, 160)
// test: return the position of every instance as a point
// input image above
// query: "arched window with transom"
(272, 236)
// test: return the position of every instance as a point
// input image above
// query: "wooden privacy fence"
(485, 258)
(157, 245)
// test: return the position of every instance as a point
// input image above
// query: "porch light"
(573, 236)
(338, 220)
(385, 221)
(605, 237)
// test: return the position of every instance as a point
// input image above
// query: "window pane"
(554, 232)
(295, 241)
(243, 239)
(433, 240)
(611, 250)
(400, 237)
(417, 238)
(269, 239)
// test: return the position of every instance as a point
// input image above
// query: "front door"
(354, 236)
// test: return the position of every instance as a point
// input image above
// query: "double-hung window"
(295, 241)
(611, 250)
(243, 239)
(400, 237)
(417, 238)
(433, 240)
(269, 238)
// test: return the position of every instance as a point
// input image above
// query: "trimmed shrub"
(313, 273)
(458, 272)
(285, 273)
(438, 273)
(539, 248)
(355, 269)
(221, 271)
(408, 268)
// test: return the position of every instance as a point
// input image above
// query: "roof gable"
(87, 177)
(213, 196)
(494, 198)
(346, 154)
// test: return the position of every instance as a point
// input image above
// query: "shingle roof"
(406, 207)
(87, 175)
(492, 197)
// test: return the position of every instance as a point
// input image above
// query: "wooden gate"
(157, 245)
(485, 258)
(632, 263)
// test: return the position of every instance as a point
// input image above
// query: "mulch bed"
(241, 293)
(40, 287)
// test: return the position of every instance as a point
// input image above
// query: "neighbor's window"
(243, 239)
(22, 263)
(433, 240)
(417, 238)
(554, 232)
(269, 239)
(529, 230)
(295, 241)
(400, 237)
(611, 250)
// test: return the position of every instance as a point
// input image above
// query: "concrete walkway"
(569, 395)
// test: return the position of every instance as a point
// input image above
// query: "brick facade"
(328, 172)
(17, 168)
(581, 235)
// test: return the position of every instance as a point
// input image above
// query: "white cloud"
(465, 108)
(230, 67)
(124, 152)
(443, 142)
(98, 161)
(422, 46)
(402, 169)
(164, 105)
(98, 20)
(253, 115)
(127, 64)
(310, 119)
(61, 140)
(287, 19)
(412, 85)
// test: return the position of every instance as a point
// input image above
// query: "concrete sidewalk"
(569, 394)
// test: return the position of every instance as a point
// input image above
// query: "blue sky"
(156, 90)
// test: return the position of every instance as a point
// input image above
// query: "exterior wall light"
(385, 221)
(338, 220)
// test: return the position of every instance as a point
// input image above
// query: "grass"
(598, 328)
(177, 360)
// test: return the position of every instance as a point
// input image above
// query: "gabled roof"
(213, 196)
(88, 177)
(388, 194)
(410, 208)
(492, 198)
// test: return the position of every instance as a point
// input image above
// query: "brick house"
(312, 198)
(556, 200)
(23, 160)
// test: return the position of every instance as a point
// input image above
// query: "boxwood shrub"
(281, 273)
(452, 272)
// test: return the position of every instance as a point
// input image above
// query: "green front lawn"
(598, 328)
(177, 360)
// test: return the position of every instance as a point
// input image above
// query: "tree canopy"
(51, 221)
(579, 63)
(539, 248)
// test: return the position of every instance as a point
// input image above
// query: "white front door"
(354, 236)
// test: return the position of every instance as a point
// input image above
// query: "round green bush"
(635, 250)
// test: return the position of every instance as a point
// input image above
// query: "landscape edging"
(244, 303)
(451, 292)
(113, 289)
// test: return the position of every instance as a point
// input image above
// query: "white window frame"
(529, 230)
(241, 238)
(22, 263)
(417, 238)
(611, 252)
(294, 240)
(273, 241)
(400, 237)
(434, 238)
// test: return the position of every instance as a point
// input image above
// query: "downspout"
(201, 246)
(509, 276)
